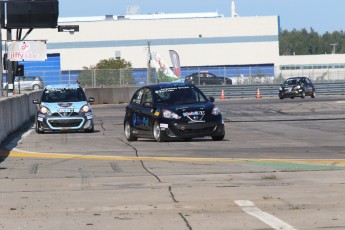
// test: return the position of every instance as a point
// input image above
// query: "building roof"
(153, 16)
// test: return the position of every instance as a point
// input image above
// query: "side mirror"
(211, 99)
(91, 100)
(35, 101)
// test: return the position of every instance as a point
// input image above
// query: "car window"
(147, 96)
(178, 95)
(291, 82)
(63, 95)
(136, 99)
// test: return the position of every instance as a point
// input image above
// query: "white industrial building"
(235, 45)
(203, 40)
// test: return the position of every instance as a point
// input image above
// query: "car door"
(23, 83)
(205, 79)
(133, 111)
(140, 112)
(146, 114)
(214, 80)
(308, 87)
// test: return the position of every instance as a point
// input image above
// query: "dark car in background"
(172, 111)
(205, 78)
(297, 87)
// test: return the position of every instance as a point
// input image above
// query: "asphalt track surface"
(281, 166)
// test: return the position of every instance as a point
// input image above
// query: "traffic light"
(4, 61)
(20, 70)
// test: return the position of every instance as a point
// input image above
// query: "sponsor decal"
(194, 113)
(163, 126)
(65, 110)
(137, 121)
(156, 114)
(65, 105)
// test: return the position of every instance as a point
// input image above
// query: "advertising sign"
(27, 51)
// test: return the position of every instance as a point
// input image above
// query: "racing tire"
(37, 128)
(313, 94)
(303, 95)
(90, 130)
(218, 138)
(129, 132)
(157, 132)
(292, 97)
(281, 97)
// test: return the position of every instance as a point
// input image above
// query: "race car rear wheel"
(157, 133)
(313, 94)
(129, 132)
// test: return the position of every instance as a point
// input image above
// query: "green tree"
(108, 72)
(304, 42)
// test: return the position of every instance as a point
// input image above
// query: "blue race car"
(64, 107)
(172, 111)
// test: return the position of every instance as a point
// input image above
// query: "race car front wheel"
(38, 128)
(218, 138)
(157, 133)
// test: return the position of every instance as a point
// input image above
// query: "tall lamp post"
(334, 45)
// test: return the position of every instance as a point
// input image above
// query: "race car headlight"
(44, 110)
(170, 115)
(215, 110)
(280, 88)
(85, 109)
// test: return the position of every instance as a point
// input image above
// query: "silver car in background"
(28, 83)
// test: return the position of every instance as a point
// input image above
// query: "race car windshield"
(63, 95)
(179, 96)
(292, 81)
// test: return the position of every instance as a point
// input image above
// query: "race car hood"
(200, 112)
(286, 86)
(64, 106)
(179, 109)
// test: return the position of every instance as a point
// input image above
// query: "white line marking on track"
(268, 219)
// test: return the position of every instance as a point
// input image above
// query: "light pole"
(334, 45)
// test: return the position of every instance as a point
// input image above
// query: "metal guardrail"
(271, 90)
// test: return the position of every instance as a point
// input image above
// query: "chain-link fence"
(239, 76)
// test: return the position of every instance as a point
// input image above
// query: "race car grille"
(65, 123)
(196, 129)
(64, 114)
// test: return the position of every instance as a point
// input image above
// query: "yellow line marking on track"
(326, 162)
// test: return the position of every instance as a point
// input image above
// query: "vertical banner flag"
(175, 59)
(159, 64)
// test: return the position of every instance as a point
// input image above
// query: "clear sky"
(321, 15)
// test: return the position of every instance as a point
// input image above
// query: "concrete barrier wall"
(111, 95)
(15, 111)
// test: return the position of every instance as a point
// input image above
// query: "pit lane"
(275, 153)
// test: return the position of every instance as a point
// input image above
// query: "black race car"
(172, 111)
(297, 87)
(205, 78)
